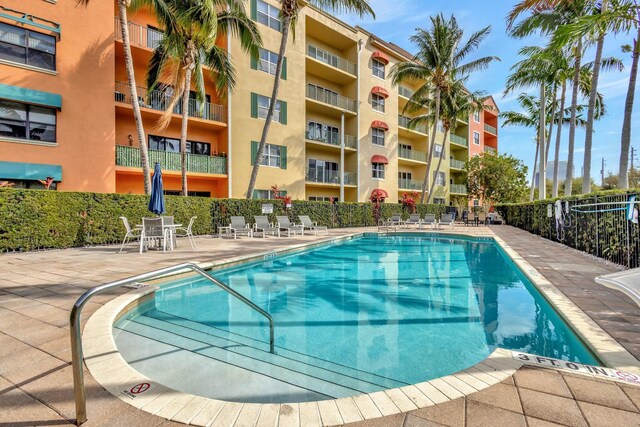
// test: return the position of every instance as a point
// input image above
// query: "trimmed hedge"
(602, 230)
(39, 219)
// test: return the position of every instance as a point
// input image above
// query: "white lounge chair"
(446, 219)
(285, 224)
(414, 219)
(627, 282)
(429, 221)
(306, 222)
(395, 220)
(131, 233)
(240, 227)
(263, 226)
(187, 232)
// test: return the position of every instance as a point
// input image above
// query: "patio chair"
(239, 226)
(154, 233)
(429, 220)
(263, 226)
(187, 232)
(396, 219)
(306, 222)
(285, 224)
(482, 218)
(414, 219)
(131, 233)
(447, 219)
(169, 220)
(471, 218)
(627, 282)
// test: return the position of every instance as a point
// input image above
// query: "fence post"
(597, 229)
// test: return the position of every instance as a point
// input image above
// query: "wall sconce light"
(130, 140)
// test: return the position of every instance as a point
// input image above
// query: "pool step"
(280, 367)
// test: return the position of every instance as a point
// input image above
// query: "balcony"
(459, 140)
(403, 122)
(330, 98)
(490, 150)
(456, 164)
(332, 67)
(145, 37)
(410, 154)
(490, 129)
(405, 92)
(350, 141)
(158, 100)
(329, 177)
(409, 184)
(458, 189)
(170, 161)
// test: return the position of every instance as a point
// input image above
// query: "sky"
(397, 20)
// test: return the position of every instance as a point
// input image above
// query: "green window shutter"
(283, 112)
(255, 194)
(284, 69)
(254, 10)
(254, 62)
(283, 193)
(254, 151)
(254, 105)
(283, 157)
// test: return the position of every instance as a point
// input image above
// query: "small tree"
(497, 178)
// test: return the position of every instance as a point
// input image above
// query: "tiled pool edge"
(115, 375)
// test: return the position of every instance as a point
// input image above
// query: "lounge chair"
(429, 220)
(153, 232)
(263, 226)
(446, 219)
(414, 219)
(187, 232)
(240, 227)
(395, 220)
(285, 224)
(482, 219)
(131, 233)
(627, 282)
(306, 222)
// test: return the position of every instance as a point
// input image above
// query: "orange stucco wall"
(84, 79)
(131, 183)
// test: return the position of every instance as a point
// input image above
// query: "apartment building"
(341, 129)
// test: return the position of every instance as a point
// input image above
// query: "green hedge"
(601, 230)
(38, 219)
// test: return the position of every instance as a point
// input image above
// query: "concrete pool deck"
(38, 289)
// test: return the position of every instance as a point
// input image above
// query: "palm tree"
(123, 5)
(289, 13)
(438, 63)
(193, 31)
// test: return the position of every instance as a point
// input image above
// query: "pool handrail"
(76, 337)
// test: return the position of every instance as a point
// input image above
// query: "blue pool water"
(371, 313)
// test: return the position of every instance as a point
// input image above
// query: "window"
(189, 193)
(268, 61)
(440, 127)
(323, 171)
(27, 47)
(268, 15)
(378, 102)
(437, 151)
(154, 37)
(476, 116)
(378, 68)
(377, 136)
(439, 178)
(377, 171)
(320, 198)
(266, 194)
(476, 202)
(29, 122)
(30, 184)
(439, 200)
(405, 175)
(263, 108)
(161, 143)
(323, 133)
(271, 156)
(476, 138)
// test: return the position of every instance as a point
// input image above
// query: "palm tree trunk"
(568, 182)
(588, 139)
(533, 174)
(286, 23)
(551, 122)
(131, 77)
(625, 142)
(542, 183)
(442, 154)
(556, 158)
(436, 118)
(183, 129)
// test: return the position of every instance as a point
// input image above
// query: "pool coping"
(107, 366)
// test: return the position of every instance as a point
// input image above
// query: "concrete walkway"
(38, 289)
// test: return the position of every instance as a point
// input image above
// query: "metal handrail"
(76, 337)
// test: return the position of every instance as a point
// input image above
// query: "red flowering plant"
(276, 195)
(47, 182)
(377, 198)
(408, 201)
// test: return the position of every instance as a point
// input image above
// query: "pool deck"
(38, 289)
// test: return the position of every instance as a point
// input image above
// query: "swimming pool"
(368, 314)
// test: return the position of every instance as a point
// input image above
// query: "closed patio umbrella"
(156, 203)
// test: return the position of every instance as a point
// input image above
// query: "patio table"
(172, 232)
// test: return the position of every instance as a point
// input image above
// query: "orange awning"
(379, 124)
(379, 159)
(380, 57)
(380, 91)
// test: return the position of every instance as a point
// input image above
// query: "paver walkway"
(38, 289)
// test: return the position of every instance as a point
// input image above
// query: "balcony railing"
(350, 141)
(329, 177)
(407, 153)
(130, 157)
(456, 164)
(326, 96)
(403, 121)
(140, 36)
(459, 140)
(160, 100)
(331, 59)
(490, 129)
(405, 92)
(490, 150)
(409, 184)
(458, 189)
